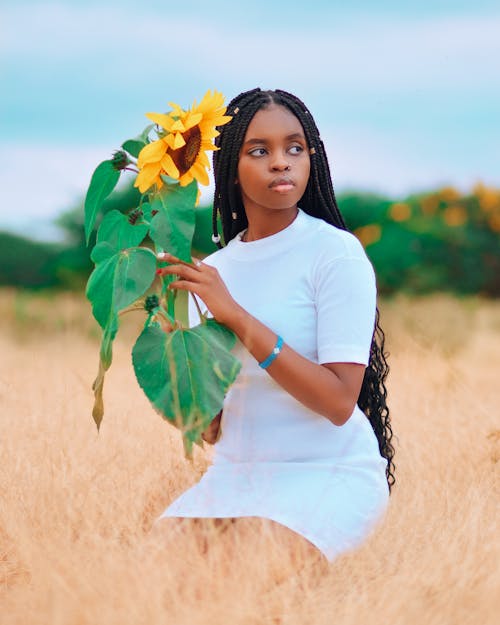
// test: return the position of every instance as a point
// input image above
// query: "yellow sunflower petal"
(223, 119)
(151, 153)
(203, 160)
(169, 166)
(208, 131)
(176, 109)
(147, 177)
(210, 102)
(186, 178)
(192, 120)
(177, 126)
(165, 121)
(179, 141)
(200, 173)
(208, 147)
(170, 140)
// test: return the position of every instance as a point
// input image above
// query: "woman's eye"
(296, 149)
(258, 152)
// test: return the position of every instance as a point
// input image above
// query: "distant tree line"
(437, 241)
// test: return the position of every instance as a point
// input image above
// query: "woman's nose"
(280, 163)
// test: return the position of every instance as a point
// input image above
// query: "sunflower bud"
(151, 303)
(120, 160)
(134, 216)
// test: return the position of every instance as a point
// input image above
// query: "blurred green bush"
(437, 241)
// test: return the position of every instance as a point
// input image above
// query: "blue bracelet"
(277, 349)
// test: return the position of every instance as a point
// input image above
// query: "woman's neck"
(261, 227)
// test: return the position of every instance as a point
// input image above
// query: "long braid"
(319, 201)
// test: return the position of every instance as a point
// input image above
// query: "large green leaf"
(103, 181)
(116, 230)
(118, 281)
(172, 227)
(186, 373)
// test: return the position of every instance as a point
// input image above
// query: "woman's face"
(274, 165)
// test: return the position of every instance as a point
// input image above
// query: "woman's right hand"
(212, 433)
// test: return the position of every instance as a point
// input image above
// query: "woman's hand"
(203, 280)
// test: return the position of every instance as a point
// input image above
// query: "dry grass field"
(76, 507)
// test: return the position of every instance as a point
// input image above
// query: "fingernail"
(158, 271)
(161, 255)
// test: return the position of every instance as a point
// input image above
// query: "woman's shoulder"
(333, 243)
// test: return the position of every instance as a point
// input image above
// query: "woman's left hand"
(203, 280)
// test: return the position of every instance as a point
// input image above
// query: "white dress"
(312, 284)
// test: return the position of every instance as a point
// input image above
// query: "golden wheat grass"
(76, 507)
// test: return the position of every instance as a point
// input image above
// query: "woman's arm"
(330, 389)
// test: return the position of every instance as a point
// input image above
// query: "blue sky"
(406, 95)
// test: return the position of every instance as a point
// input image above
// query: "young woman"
(304, 438)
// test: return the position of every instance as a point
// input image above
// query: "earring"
(235, 215)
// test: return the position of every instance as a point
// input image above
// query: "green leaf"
(135, 145)
(186, 373)
(103, 181)
(102, 251)
(146, 212)
(116, 230)
(119, 280)
(97, 387)
(172, 228)
(105, 359)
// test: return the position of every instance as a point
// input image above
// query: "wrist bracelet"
(276, 350)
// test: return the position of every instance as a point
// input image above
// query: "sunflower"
(184, 138)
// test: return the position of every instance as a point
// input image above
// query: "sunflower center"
(185, 157)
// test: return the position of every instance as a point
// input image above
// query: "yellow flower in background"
(429, 204)
(494, 222)
(448, 194)
(454, 215)
(489, 198)
(368, 234)
(184, 139)
(400, 211)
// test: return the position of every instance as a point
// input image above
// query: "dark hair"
(319, 201)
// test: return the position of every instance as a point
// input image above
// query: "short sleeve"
(345, 306)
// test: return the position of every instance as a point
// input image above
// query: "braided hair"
(319, 201)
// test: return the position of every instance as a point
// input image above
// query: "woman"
(304, 438)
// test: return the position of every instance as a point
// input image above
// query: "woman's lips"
(282, 185)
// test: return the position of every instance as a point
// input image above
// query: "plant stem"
(202, 316)
(131, 309)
